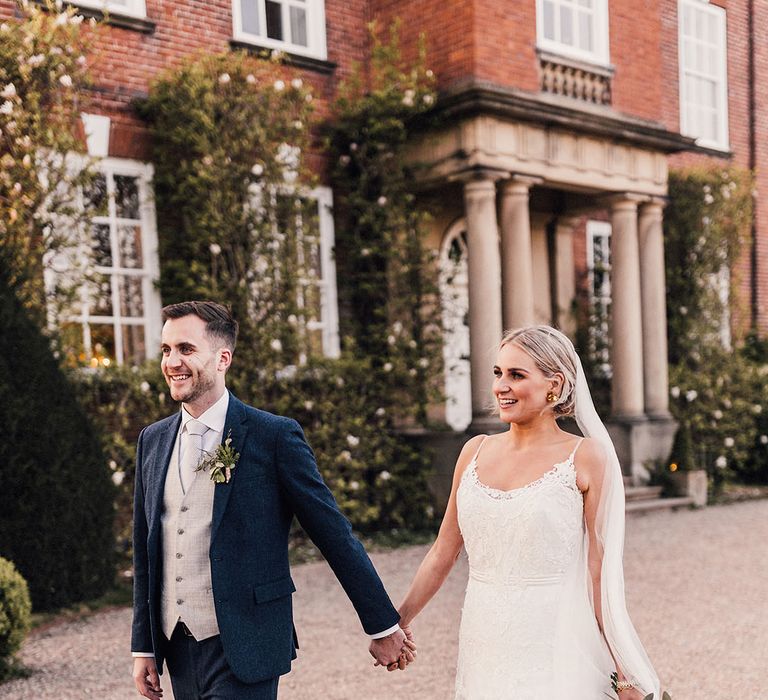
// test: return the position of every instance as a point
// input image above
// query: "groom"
(212, 586)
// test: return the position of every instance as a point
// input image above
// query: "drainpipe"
(754, 284)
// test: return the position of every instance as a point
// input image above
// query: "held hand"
(390, 651)
(146, 678)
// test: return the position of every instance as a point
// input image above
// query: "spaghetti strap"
(479, 447)
(573, 454)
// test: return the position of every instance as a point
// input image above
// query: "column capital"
(519, 184)
(654, 204)
(478, 174)
(624, 200)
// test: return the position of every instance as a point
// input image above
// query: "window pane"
(566, 25)
(131, 298)
(549, 20)
(127, 196)
(585, 31)
(129, 240)
(249, 10)
(299, 26)
(95, 196)
(274, 20)
(71, 335)
(102, 345)
(134, 348)
(101, 296)
(101, 245)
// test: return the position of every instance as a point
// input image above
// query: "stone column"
(626, 310)
(565, 275)
(517, 260)
(485, 328)
(654, 317)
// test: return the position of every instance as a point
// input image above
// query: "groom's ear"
(225, 358)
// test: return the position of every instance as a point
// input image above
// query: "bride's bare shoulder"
(468, 451)
(589, 461)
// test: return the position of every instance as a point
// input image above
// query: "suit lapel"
(163, 452)
(236, 423)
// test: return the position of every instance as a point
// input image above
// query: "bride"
(541, 515)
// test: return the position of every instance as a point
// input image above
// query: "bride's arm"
(590, 470)
(441, 557)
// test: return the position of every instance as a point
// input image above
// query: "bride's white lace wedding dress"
(527, 584)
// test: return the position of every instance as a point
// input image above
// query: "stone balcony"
(573, 79)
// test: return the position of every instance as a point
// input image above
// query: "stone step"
(640, 493)
(650, 504)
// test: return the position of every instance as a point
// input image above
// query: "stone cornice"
(482, 98)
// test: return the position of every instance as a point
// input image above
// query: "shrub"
(15, 611)
(56, 498)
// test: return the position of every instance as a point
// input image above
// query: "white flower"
(757, 408)
(380, 412)
(293, 319)
(691, 395)
(4, 27)
(308, 97)
(387, 367)
(309, 405)
(353, 441)
(344, 160)
(428, 99)
(298, 124)
(276, 345)
(429, 73)
(257, 169)
(65, 80)
(8, 91)
(37, 60)
(112, 464)
(412, 372)
(727, 403)
(77, 19)
(412, 344)
(391, 339)
(61, 20)
(6, 107)
(408, 98)
(705, 220)
(353, 147)
(365, 252)
(381, 201)
(764, 439)
(708, 199)
(721, 462)
(397, 327)
(729, 442)
(345, 455)
(145, 387)
(354, 485)
(81, 60)
(279, 85)
(250, 78)
(297, 83)
(718, 414)
(224, 78)
(423, 362)
(215, 249)
(683, 310)
(385, 475)
(117, 478)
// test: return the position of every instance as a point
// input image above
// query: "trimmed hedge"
(56, 499)
(15, 614)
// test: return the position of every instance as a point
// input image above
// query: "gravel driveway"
(696, 583)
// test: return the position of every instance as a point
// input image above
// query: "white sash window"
(129, 8)
(294, 26)
(703, 72)
(574, 28)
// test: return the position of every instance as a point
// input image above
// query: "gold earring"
(551, 397)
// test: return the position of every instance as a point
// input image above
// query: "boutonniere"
(221, 462)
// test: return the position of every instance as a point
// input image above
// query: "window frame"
(133, 8)
(600, 229)
(722, 141)
(149, 273)
(316, 35)
(601, 54)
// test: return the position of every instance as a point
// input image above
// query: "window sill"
(292, 59)
(604, 69)
(136, 24)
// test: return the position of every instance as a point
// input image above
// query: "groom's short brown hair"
(219, 323)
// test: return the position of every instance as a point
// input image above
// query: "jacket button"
(179, 601)
(180, 531)
(184, 509)
(179, 579)
(179, 555)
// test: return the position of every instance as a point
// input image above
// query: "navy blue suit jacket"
(275, 478)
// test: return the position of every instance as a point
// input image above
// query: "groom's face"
(191, 364)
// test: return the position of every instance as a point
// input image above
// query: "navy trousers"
(199, 671)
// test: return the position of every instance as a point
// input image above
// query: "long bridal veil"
(581, 652)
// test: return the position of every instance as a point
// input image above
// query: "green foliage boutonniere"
(221, 462)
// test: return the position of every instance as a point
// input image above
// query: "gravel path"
(696, 583)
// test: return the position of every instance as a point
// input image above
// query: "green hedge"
(15, 614)
(56, 498)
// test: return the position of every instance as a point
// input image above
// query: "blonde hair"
(553, 353)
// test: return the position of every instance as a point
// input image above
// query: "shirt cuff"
(142, 655)
(385, 633)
